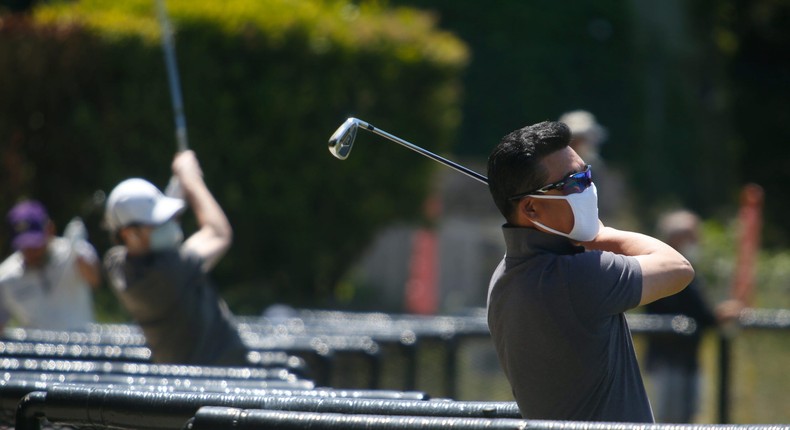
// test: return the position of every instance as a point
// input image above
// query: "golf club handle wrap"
(174, 189)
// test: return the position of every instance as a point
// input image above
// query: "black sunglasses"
(574, 183)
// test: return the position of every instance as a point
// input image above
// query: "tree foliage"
(85, 103)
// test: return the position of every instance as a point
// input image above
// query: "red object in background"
(421, 288)
(750, 228)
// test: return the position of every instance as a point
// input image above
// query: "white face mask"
(585, 214)
(166, 236)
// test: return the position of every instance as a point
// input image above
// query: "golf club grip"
(174, 189)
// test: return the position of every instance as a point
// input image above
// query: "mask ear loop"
(549, 229)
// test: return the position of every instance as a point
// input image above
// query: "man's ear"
(529, 208)
(526, 211)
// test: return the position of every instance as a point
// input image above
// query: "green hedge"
(85, 104)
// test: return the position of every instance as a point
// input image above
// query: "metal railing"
(325, 338)
(109, 408)
(220, 418)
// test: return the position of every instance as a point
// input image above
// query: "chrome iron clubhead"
(343, 139)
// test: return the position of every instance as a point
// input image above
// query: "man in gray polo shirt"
(556, 301)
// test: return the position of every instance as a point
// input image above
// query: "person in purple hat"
(47, 282)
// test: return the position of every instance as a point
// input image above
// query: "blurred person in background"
(161, 279)
(587, 136)
(672, 362)
(47, 282)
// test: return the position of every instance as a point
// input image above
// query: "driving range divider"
(42, 370)
(224, 418)
(315, 344)
(95, 407)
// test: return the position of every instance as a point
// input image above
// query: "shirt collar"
(523, 242)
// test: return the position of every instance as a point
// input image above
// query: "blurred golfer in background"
(162, 280)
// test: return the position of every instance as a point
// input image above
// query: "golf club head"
(343, 138)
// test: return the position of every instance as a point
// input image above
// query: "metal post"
(451, 366)
(724, 378)
(410, 373)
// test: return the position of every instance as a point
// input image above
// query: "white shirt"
(52, 297)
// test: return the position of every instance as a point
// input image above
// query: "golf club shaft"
(173, 188)
(471, 173)
(169, 49)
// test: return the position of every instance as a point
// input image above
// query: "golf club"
(343, 138)
(173, 188)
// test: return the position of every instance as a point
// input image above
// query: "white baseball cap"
(137, 201)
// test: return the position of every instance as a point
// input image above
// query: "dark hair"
(514, 166)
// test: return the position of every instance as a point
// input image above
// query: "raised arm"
(664, 270)
(214, 234)
(90, 270)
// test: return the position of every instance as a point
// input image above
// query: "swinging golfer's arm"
(214, 235)
(664, 270)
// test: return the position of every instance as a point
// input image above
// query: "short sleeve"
(603, 283)
(192, 259)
